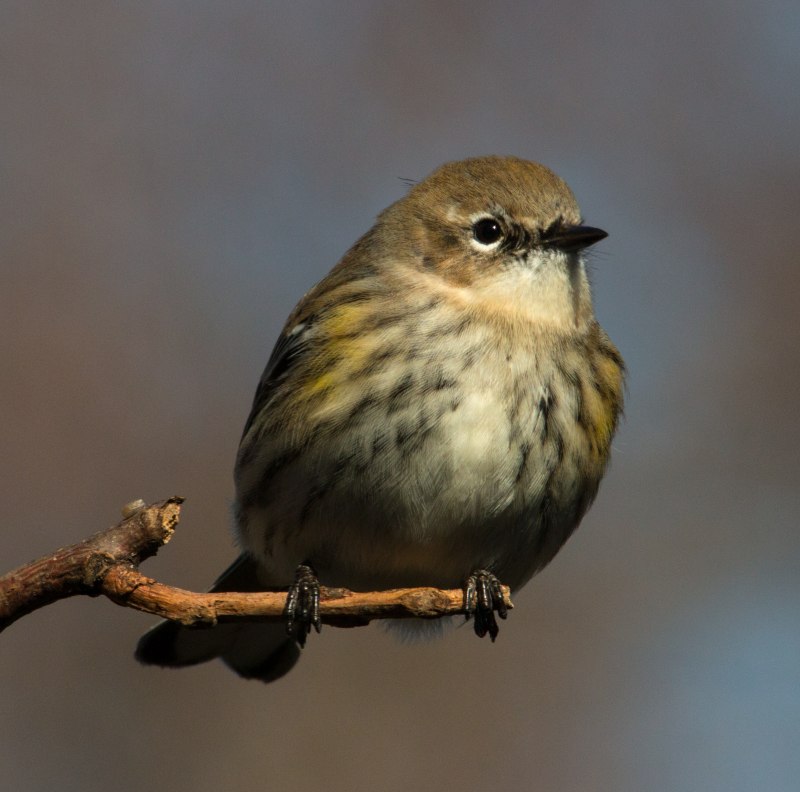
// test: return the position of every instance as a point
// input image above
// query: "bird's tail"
(254, 650)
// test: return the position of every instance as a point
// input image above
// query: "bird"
(437, 411)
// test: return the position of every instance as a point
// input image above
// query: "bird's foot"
(302, 604)
(483, 595)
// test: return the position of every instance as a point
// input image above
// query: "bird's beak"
(572, 238)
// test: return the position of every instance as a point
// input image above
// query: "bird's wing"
(287, 351)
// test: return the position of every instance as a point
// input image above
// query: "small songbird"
(438, 411)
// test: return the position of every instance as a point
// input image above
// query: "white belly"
(421, 496)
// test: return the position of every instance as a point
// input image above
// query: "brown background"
(174, 175)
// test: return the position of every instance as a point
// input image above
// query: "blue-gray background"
(173, 176)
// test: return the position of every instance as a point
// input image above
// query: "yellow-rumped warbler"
(437, 411)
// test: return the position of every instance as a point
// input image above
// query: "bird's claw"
(302, 605)
(483, 595)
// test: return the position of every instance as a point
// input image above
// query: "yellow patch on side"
(602, 427)
(341, 351)
(605, 403)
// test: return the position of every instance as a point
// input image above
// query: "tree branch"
(107, 564)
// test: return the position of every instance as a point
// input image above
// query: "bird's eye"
(487, 231)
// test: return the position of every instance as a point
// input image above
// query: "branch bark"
(106, 564)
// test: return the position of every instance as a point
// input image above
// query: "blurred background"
(173, 177)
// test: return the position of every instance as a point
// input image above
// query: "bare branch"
(107, 564)
(81, 568)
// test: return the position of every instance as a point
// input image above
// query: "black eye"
(487, 231)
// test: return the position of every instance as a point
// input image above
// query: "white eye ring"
(487, 233)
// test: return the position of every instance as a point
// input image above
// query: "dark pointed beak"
(571, 238)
